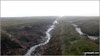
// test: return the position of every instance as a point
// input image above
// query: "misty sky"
(49, 8)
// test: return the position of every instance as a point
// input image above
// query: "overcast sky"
(49, 8)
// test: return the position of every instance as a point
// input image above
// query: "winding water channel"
(81, 33)
(48, 36)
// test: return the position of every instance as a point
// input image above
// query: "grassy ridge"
(73, 43)
(68, 41)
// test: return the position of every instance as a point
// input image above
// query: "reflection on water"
(78, 29)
